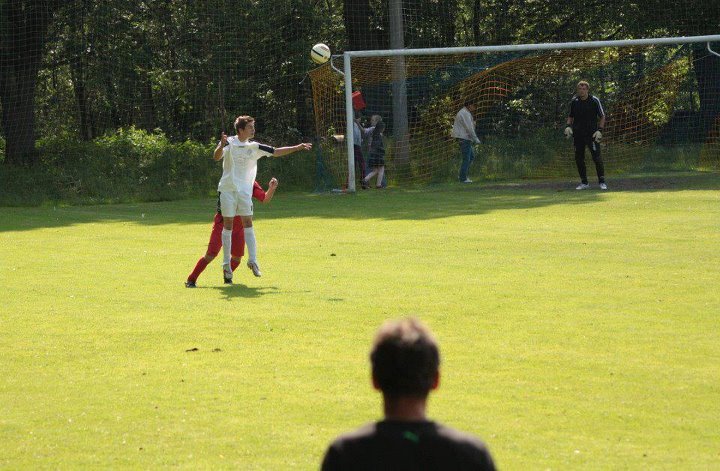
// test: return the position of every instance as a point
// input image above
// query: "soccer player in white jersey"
(240, 155)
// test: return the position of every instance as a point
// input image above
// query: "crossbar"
(535, 47)
(348, 55)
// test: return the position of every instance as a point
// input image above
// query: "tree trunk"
(18, 116)
(399, 89)
(707, 73)
(147, 103)
(77, 75)
(24, 24)
(77, 72)
(477, 31)
(357, 25)
(446, 22)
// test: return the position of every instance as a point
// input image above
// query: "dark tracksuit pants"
(359, 161)
(582, 140)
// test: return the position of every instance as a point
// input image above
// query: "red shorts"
(238, 237)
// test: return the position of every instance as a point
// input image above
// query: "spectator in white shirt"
(464, 131)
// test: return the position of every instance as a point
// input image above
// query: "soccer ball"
(320, 53)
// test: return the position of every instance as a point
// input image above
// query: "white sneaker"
(255, 268)
(583, 186)
(227, 274)
(603, 186)
(467, 180)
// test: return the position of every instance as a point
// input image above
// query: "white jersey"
(464, 126)
(240, 165)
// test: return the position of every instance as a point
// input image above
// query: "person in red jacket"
(238, 237)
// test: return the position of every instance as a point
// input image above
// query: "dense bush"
(131, 165)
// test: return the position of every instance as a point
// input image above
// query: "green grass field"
(579, 330)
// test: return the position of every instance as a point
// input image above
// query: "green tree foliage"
(85, 68)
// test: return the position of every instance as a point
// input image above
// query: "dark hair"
(467, 103)
(242, 121)
(405, 358)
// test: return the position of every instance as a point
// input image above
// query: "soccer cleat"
(190, 284)
(364, 185)
(467, 180)
(254, 267)
(583, 186)
(227, 274)
(603, 186)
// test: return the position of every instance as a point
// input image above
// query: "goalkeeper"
(585, 125)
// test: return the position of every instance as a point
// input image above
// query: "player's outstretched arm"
(217, 155)
(272, 186)
(280, 151)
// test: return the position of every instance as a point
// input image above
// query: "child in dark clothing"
(377, 152)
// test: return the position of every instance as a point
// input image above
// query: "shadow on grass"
(422, 203)
(230, 292)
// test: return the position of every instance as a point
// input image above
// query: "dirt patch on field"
(704, 181)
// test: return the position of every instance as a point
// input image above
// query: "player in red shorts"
(238, 236)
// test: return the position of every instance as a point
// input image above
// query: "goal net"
(109, 100)
(661, 103)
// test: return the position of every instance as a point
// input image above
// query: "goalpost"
(650, 88)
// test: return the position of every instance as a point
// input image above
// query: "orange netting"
(649, 95)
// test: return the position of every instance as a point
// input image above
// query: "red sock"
(234, 264)
(201, 264)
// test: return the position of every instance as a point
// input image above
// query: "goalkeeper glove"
(568, 132)
(597, 135)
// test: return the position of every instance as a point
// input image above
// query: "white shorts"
(233, 204)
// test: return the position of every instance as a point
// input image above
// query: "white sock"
(251, 244)
(227, 242)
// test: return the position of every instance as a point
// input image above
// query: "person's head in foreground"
(405, 361)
